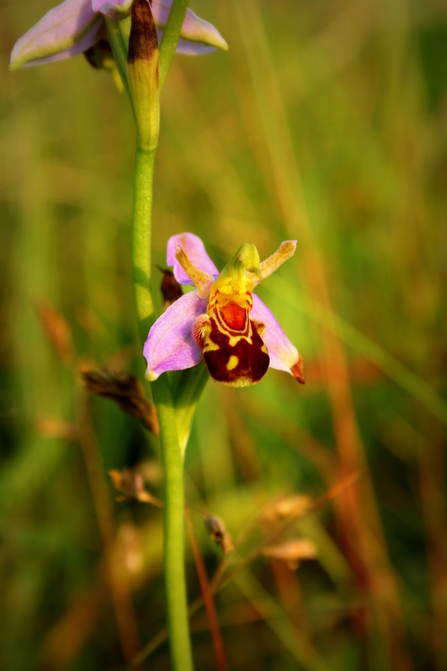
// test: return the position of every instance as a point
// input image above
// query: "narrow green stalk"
(170, 37)
(118, 36)
(174, 560)
(141, 239)
(174, 569)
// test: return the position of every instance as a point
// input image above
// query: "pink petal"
(198, 33)
(195, 251)
(170, 344)
(97, 33)
(66, 29)
(114, 9)
(283, 354)
(188, 48)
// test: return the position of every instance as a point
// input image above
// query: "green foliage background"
(325, 122)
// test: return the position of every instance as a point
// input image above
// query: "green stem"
(170, 37)
(174, 568)
(141, 239)
(174, 561)
(118, 36)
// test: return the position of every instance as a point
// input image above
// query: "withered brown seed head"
(292, 552)
(143, 39)
(125, 390)
(57, 330)
(217, 531)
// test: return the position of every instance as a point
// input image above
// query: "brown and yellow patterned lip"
(235, 361)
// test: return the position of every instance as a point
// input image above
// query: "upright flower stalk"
(143, 86)
(143, 80)
(171, 36)
(144, 62)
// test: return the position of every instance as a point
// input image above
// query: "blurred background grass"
(325, 122)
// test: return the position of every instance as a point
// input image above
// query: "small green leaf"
(187, 387)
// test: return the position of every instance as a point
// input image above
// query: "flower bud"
(142, 73)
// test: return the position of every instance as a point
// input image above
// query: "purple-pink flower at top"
(76, 25)
(221, 321)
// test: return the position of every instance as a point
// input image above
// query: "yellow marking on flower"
(210, 346)
(232, 362)
(264, 348)
(234, 340)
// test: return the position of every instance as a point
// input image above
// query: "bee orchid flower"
(221, 321)
(75, 26)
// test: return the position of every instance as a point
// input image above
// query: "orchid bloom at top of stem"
(221, 321)
(76, 25)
